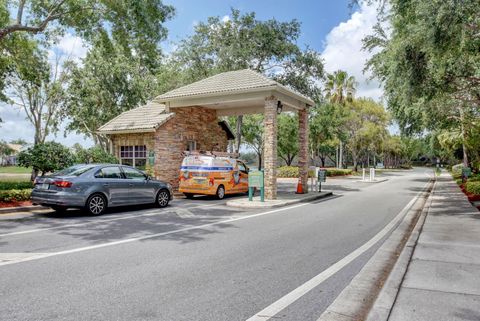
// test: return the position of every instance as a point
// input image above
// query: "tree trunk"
(322, 159)
(238, 138)
(259, 161)
(340, 155)
(464, 148)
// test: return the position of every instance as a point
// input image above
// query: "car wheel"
(59, 209)
(163, 197)
(188, 195)
(220, 192)
(96, 204)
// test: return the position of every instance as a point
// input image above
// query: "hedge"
(473, 187)
(15, 195)
(292, 171)
(8, 185)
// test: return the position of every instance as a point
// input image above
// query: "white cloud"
(16, 125)
(72, 46)
(225, 18)
(343, 50)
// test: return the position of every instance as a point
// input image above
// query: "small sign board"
(151, 158)
(322, 175)
(255, 179)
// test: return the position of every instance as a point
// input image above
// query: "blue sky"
(328, 26)
(317, 17)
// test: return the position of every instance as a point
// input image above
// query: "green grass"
(14, 170)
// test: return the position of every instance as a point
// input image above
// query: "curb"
(382, 306)
(31, 208)
(287, 202)
(357, 300)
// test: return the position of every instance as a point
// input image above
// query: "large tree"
(243, 41)
(340, 89)
(36, 87)
(428, 61)
(108, 82)
(135, 25)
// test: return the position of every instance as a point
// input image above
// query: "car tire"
(96, 204)
(188, 195)
(220, 192)
(59, 209)
(163, 198)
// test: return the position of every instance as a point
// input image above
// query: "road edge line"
(365, 297)
(286, 300)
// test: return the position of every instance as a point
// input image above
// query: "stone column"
(270, 149)
(303, 147)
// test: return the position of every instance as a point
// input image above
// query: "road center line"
(150, 213)
(303, 289)
(145, 237)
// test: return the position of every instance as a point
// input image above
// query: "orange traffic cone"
(299, 187)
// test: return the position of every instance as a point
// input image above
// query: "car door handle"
(105, 184)
(131, 184)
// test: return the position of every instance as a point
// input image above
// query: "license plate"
(43, 186)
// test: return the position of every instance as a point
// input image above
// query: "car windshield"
(76, 170)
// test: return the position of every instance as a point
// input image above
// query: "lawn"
(14, 170)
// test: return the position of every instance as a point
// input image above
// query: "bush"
(338, 172)
(13, 195)
(6, 185)
(292, 171)
(457, 171)
(47, 157)
(473, 187)
(93, 155)
(288, 171)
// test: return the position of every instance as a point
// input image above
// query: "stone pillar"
(303, 147)
(270, 149)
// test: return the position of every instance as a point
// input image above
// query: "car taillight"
(62, 184)
(211, 181)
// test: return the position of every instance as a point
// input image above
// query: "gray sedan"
(95, 187)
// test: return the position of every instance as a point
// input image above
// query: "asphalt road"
(195, 260)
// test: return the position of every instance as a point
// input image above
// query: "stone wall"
(171, 139)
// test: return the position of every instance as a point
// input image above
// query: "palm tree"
(339, 89)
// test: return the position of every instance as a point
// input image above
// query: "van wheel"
(220, 192)
(96, 204)
(188, 195)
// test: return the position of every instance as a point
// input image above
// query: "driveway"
(195, 260)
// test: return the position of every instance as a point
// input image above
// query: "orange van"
(212, 175)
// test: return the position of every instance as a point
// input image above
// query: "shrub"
(15, 195)
(457, 171)
(338, 172)
(6, 185)
(292, 171)
(473, 187)
(46, 157)
(288, 171)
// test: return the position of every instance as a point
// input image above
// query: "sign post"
(255, 179)
(322, 177)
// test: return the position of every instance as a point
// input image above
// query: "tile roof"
(238, 81)
(144, 118)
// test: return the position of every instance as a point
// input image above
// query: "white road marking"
(145, 237)
(97, 221)
(7, 257)
(303, 289)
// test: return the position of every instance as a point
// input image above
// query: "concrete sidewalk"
(442, 281)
